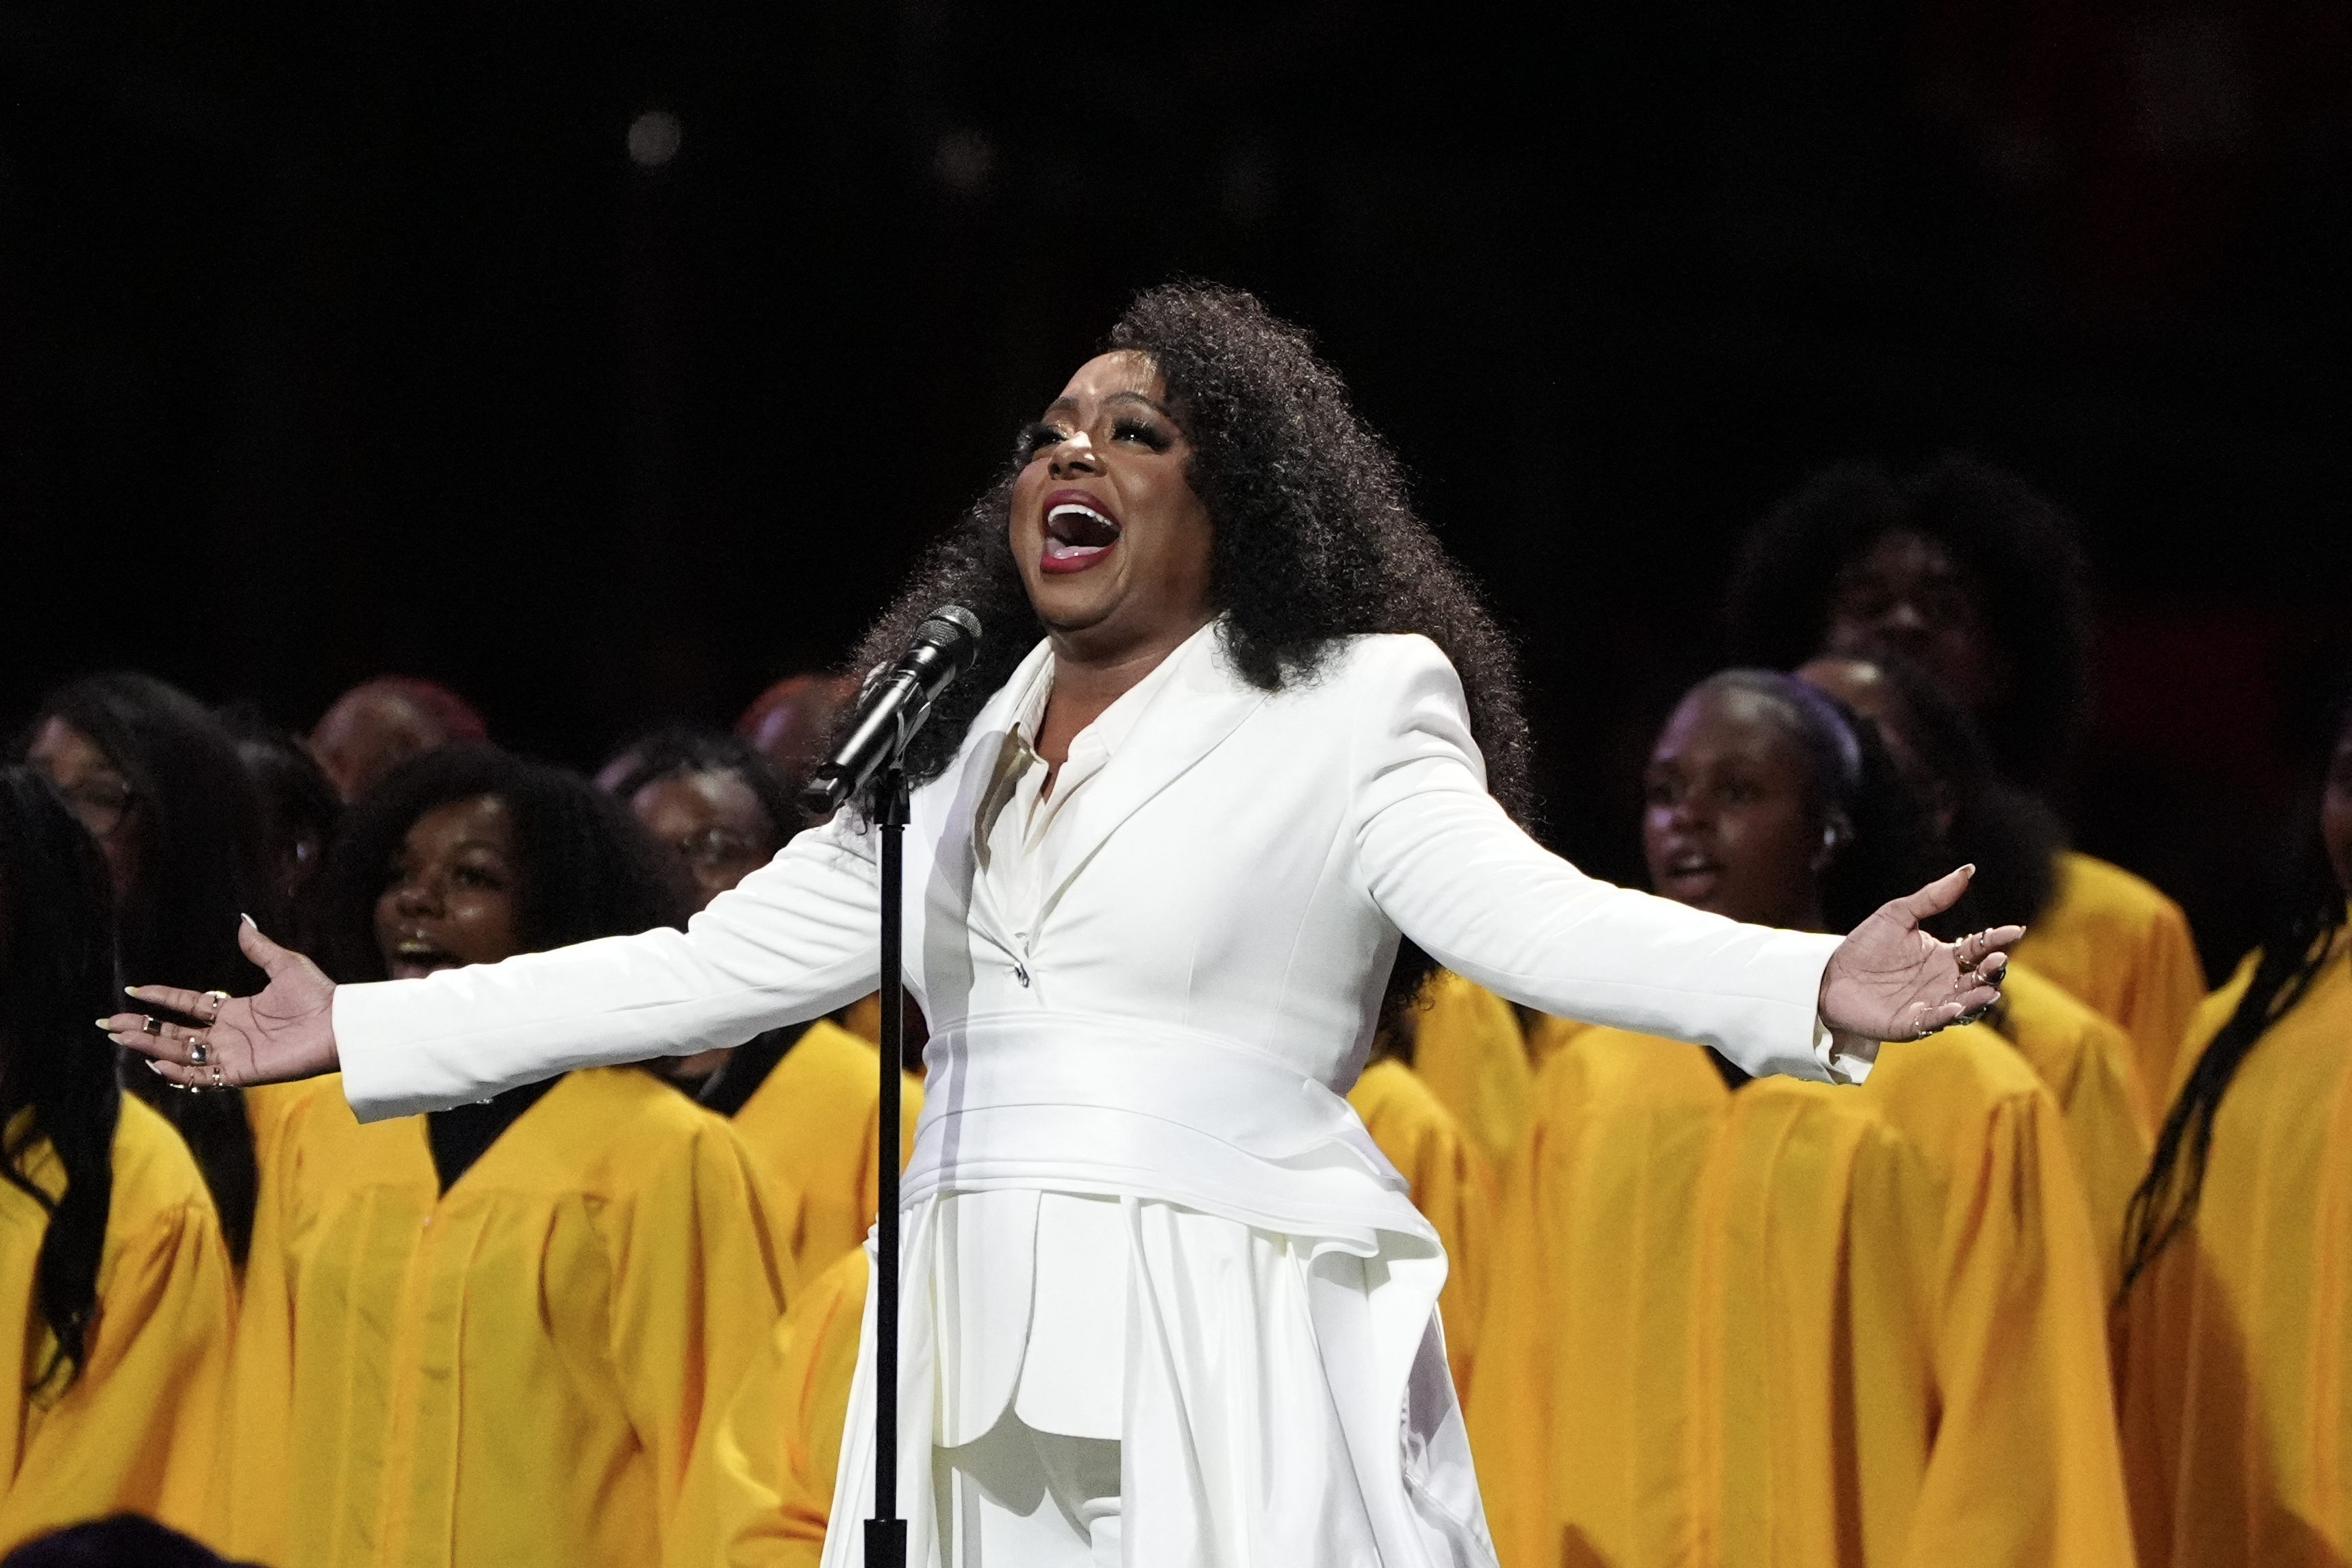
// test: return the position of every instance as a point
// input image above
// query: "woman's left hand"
(1891, 981)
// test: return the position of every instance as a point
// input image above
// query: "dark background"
(351, 339)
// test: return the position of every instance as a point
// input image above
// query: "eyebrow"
(1114, 397)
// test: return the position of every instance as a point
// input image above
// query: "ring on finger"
(200, 1050)
(151, 1025)
(219, 1081)
(219, 999)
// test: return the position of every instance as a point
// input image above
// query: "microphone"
(894, 706)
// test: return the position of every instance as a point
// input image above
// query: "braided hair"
(2302, 939)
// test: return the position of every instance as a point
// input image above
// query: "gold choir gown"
(2238, 1433)
(135, 1431)
(2113, 941)
(1792, 1324)
(1469, 1053)
(1449, 1181)
(2089, 1066)
(813, 1125)
(513, 1372)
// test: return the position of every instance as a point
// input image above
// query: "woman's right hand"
(287, 1031)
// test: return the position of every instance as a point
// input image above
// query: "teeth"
(1071, 506)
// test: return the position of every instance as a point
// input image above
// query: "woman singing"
(1240, 732)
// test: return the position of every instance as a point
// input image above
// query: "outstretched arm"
(795, 940)
(1444, 862)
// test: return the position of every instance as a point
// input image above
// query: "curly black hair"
(1315, 539)
(677, 750)
(2305, 933)
(57, 971)
(203, 858)
(2024, 555)
(1315, 534)
(586, 867)
(1887, 846)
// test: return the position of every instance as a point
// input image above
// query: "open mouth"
(1691, 877)
(1078, 533)
(415, 958)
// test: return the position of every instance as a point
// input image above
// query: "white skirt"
(1098, 1379)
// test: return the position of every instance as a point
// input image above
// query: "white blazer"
(1222, 905)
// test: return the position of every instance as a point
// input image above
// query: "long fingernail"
(156, 1067)
(132, 992)
(105, 1026)
(249, 919)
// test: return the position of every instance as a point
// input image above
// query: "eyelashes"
(1037, 435)
(1141, 430)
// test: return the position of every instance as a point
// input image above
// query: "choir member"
(803, 1097)
(156, 779)
(762, 1489)
(299, 806)
(116, 1299)
(1965, 570)
(378, 725)
(790, 721)
(495, 1332)
(2086, 1061)
(2239, 1304)
(1766, 1321)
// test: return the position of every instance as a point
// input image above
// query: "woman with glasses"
(802, 1096)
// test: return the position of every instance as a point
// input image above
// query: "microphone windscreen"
(955, 628)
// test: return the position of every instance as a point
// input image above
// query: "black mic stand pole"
(885, 1533)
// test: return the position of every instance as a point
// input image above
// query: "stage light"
(962, 162)
(654, 137)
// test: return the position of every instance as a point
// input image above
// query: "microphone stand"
(885, 1533)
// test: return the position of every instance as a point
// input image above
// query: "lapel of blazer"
(1204, 702)
(967, 785)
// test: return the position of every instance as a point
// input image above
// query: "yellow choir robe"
(135, 1430)
(1545, 1034)
(1468, 1049)
(2114, 942)
(761, 1489)
(516, 1371)
(1796, 1323)
(2238, 1428)
(2089, 1068)
(813, 1126)
(256, 1411)
(1452, 1187)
